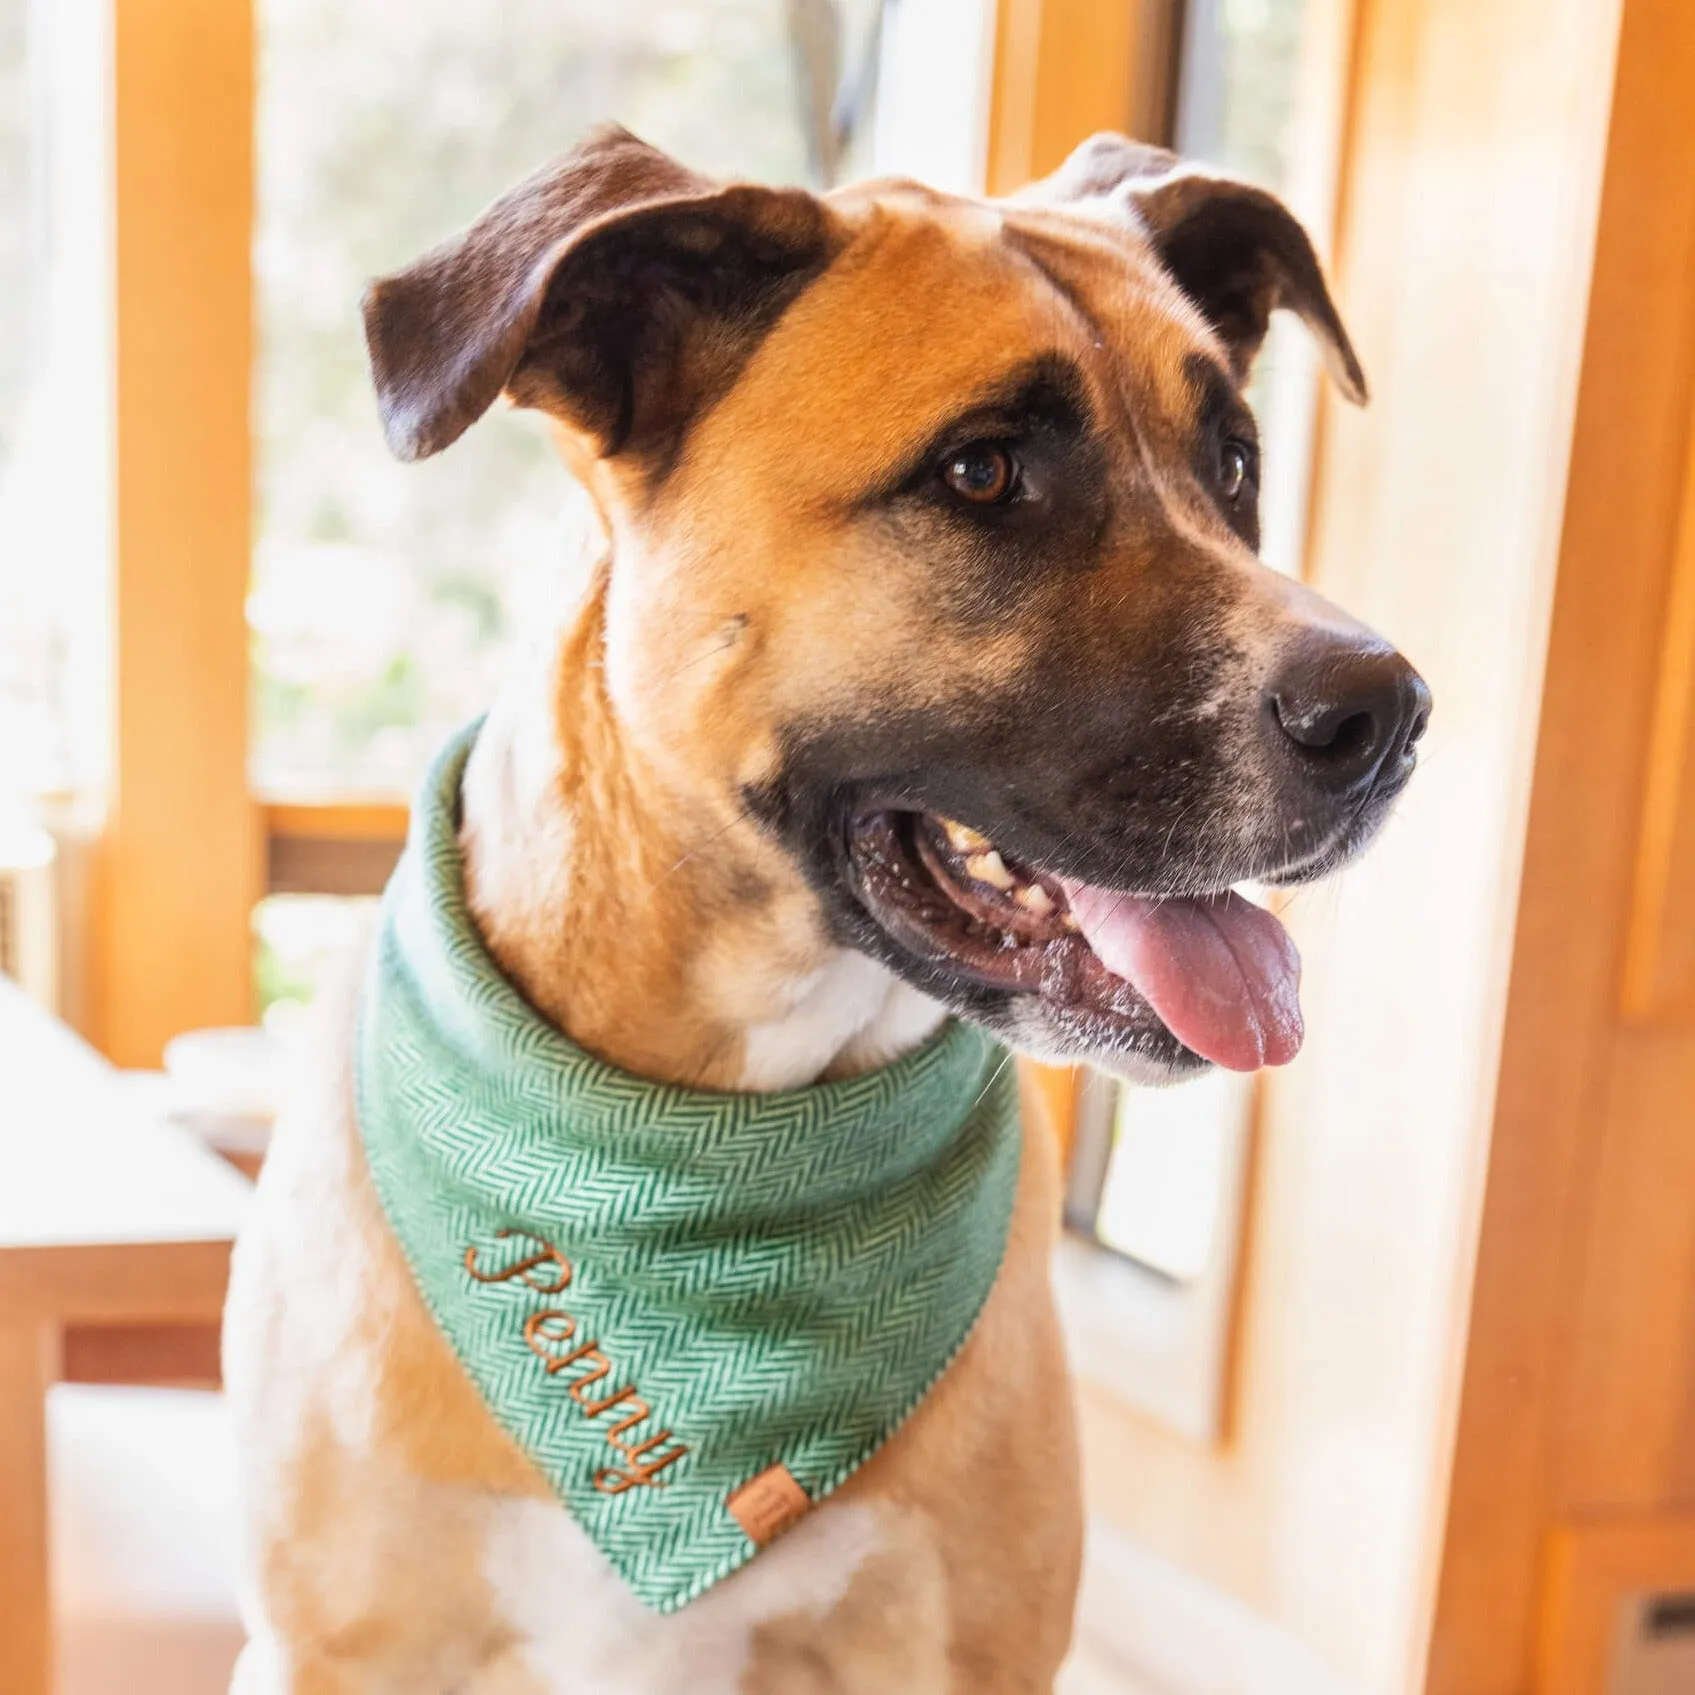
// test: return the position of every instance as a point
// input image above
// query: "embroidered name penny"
(550, 1335)
(765, 1506)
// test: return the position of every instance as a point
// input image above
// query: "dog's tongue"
(1222, 973)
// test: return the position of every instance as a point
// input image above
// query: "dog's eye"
(983, 472)
(1235, 467)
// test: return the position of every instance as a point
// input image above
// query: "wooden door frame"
(1628, 459)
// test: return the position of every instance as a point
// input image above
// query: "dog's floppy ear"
(615, 289)
(1236, 250)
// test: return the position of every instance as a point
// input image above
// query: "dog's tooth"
(990, 868)
(1034, 898)
(1070, 922)
(963, 839)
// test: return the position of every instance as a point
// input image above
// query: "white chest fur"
(851, 1015)
(577, 1629)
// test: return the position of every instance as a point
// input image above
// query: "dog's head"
(934, 527)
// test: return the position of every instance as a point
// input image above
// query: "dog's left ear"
(615, 289)
(1235, 250)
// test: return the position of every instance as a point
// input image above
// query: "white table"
(115, 1233)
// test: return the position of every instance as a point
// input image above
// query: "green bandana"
(696, 1312)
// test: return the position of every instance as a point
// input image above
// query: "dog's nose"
(1347, 710)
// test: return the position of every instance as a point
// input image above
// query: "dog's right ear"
(1235, 250)
(615, 289)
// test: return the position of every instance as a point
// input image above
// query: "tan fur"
(375, 1477)
(398, 1542)
(638, 907)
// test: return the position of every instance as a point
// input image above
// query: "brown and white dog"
(928, 668)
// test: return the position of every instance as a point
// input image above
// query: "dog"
(927, 670)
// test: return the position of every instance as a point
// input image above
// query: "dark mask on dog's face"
(934, 527)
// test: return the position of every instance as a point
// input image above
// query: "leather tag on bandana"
(768, 1504)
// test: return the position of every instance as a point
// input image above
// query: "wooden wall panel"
(1575, 1290)
(1627, 1437)
(1659, 977)
(1592, 1569)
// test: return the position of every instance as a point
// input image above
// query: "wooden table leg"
(26, 1371)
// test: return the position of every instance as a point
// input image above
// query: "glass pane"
(17, 222)
(299, 943)
(1236, 99)
(384, 596)
(1172, 1161)
(1262, 50)
(1245, 71)
(1159, 1189)
(33, 753)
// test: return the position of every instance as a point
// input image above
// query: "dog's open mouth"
(1219, 973)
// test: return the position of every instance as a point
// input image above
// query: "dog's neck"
(671, 942)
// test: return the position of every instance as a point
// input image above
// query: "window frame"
(187, 849)
(178, 860)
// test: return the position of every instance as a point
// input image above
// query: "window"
(1258, 88)
(54, 347)
(17, 232)
(377, 602)
(385, 596)
(1240, 70)
(1159, 1178)
(1242, 78)
(1152, 1170)
(33, 755)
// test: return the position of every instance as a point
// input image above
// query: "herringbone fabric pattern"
(766, 1278)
